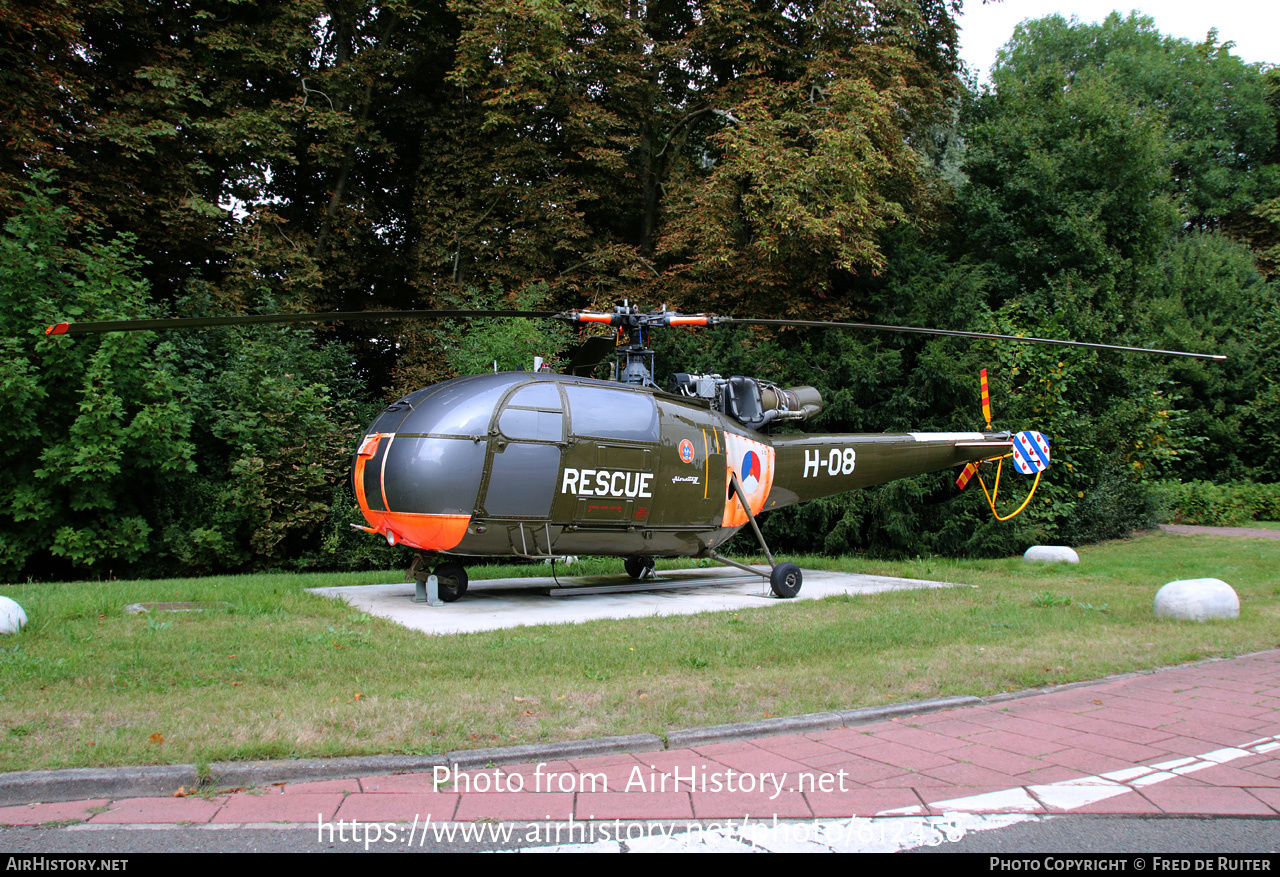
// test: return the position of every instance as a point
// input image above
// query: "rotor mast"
(634, 357)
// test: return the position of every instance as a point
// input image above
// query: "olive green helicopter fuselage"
(545, 465)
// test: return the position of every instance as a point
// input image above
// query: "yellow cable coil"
(991, 494)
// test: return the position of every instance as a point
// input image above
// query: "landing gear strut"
(445, 584)
(638, 567)
(784, 578)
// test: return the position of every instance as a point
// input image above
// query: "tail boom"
(812, 466)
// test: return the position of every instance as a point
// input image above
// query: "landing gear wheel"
(785, 580)
(638, 567)
(452, 580)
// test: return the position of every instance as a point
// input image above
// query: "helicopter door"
(524, 455)
(608, 479)
(692, 470)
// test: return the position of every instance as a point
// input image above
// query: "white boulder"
(1197, 599)
(12, 618)
(1050, 554)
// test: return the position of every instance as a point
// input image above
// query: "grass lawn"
(282, 673)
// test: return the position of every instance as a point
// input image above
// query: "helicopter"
(538, 465)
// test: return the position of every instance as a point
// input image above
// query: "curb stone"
(466, 759)
(50, 786)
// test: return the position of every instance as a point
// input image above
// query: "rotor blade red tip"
(57, 329)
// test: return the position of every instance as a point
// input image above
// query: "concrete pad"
(497, 604)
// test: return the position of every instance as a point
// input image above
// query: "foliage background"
(814, 159)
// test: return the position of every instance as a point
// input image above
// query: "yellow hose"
(991, 495)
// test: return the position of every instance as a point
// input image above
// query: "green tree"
(187, 109)
(685, 150)
(1261, 420)
(39, 91)
(1066, 180)
(1217, 121)
(1093, 167)
(1259, 227)
(274, 438)
(349, 155)
(1207, 294)
(92, 427)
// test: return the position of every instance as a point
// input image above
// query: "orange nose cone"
(428, 532)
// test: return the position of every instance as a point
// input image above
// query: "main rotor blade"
(86, 328)
(955, 333)
(259, 319)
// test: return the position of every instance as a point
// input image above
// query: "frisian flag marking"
(1030, 452)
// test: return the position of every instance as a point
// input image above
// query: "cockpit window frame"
(545, 423)
(585, 414)
(479, 396)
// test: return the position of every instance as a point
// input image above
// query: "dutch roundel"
(1030, 452)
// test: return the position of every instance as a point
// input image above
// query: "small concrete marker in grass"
(1197, 600)
(1050, 554)
(12, 618)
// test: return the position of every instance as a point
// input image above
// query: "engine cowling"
(752, 402)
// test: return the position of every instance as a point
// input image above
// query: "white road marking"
(909, 827)
(1071, 794)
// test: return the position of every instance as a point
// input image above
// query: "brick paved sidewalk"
(1201, 739)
